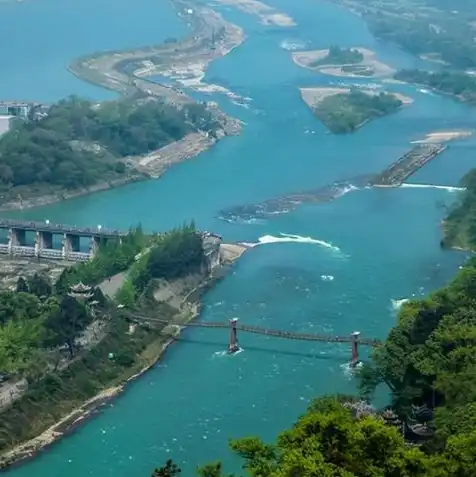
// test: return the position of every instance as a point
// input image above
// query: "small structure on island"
(81, 292)
(233, 346)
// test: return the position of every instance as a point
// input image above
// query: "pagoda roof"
(80, 288)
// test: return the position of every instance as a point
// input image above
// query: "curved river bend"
(385, 243)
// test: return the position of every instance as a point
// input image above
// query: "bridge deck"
(268, 332)
(60, 228)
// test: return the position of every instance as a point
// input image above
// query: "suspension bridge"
(234, 327)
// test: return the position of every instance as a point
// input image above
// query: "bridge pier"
(70, 244)
(16, 238)
(233, 345)
(43, 241)
(354, 361)
(94, 246)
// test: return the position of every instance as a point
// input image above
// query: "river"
(377, 245)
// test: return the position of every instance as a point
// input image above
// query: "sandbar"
(313, 96)
(267, 14)
(374, 68)
(444, 136)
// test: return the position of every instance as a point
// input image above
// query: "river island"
(347, 62)
(344, 110)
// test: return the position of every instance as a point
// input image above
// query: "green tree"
(329, 442)
(40, 286)
(22, 285)
(67, 323)
(168, 470)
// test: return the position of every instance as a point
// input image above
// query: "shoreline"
(190, 55)
(67, 425)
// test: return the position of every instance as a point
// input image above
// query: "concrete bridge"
(45, 232)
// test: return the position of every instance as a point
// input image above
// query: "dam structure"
(46, 232)
(407, 165)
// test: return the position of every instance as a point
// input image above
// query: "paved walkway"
(112, 285)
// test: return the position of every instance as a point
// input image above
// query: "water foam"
(293, 45)
(350, 371)
(397, 304)
(290, 238)
(432, 186)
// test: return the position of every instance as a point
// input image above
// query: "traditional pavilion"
(81, 291)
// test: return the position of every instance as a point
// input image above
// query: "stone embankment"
(407, 165)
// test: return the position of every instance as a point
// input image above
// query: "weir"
(407, 165)
(45, 232)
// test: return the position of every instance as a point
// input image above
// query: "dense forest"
(460, 224)
(438, 28)
(340, 56)
(173, 255)
(459, 84)
(340, 437)
(80, 143)
(345, 112)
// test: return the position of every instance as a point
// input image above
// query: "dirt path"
(113, 284)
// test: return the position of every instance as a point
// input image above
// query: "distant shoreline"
(124, 72)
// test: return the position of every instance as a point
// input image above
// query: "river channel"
(334, 267)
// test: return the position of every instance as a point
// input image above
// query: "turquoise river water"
(379, 246)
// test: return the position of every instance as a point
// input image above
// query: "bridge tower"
(354, 361)
(233, 345)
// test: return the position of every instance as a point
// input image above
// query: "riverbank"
(38, 198)
(369, 67)
(187, 309)
(211, 37)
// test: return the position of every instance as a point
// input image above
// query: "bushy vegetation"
(112, 257)
(345, 112)
(173, 255)
(459, 84)
(80, 143)
(429, 359)
(460, 225)
(340, 56)
(58, 393)
(430, 31)
(330, 441)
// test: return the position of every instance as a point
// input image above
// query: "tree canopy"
(345, 112)
(340, 56)
(80, 143)
(460, 224)
(329, 440)
(459, 84)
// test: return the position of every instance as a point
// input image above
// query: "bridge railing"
(60, 228)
